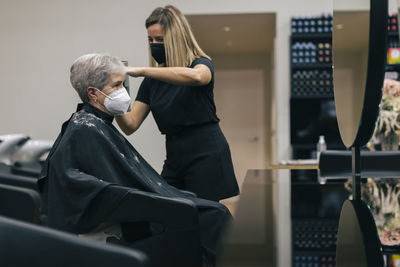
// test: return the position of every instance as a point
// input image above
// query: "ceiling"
(234, 33)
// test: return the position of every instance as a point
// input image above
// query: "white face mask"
(117, 102)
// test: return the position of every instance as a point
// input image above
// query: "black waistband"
(192, 128)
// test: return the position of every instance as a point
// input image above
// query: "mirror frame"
(369, 235)
(377, 52)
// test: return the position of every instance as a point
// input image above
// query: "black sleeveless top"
(176, 107)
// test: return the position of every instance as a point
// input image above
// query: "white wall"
(40, 40)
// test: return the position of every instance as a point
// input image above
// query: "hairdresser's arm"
(197, 76)
(131, 121)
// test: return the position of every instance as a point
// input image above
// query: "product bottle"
(321, 145)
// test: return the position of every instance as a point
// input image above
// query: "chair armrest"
(20, 203)
(7, 177)
(172, 212)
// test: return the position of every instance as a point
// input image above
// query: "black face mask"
(158, 52)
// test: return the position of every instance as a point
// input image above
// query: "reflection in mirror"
(394, 8)
(357, 239)
(250, 240)
(398, 12)
(350, 60)
(393, 55)
(359, 59)
(350, 249)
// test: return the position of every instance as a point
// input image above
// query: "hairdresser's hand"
(134, 71)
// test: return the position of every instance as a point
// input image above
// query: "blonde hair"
(181, 48)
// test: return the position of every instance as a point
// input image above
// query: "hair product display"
(393, 26)
(311, 57)
(312, 52)
(312, 25)
(393, 53)
(312, 114)
(315, 82)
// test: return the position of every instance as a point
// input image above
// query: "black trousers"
(199, 160)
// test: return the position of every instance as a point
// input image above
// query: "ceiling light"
(227, 29)
(339, 27)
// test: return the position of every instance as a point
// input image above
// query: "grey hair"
(93, 70)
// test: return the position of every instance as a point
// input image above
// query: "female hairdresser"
(179, 93)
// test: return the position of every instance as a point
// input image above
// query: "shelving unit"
(393, 62)
(312, 100)
(312, 113)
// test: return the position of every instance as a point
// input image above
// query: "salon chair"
(21, 160)
(29, 158)
(9, 144)
(9, 178)
(175, 239)
(19, 203)
(23, 244)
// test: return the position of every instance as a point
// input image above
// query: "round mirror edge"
(376, 71)
(370, 239)
(370, 233)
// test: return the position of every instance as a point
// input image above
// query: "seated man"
(92, 167)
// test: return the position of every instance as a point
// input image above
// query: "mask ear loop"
(96, 100)
(105, 96)
(103, 93)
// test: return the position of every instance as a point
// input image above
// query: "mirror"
(359, 58)
(357, 239)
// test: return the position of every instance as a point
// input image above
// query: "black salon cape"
(88, 158)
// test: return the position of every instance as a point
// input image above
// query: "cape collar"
(95, 111)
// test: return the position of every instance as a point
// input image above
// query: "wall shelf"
(311, 36)
(312, 66)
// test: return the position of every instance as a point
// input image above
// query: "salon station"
(302, 101)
